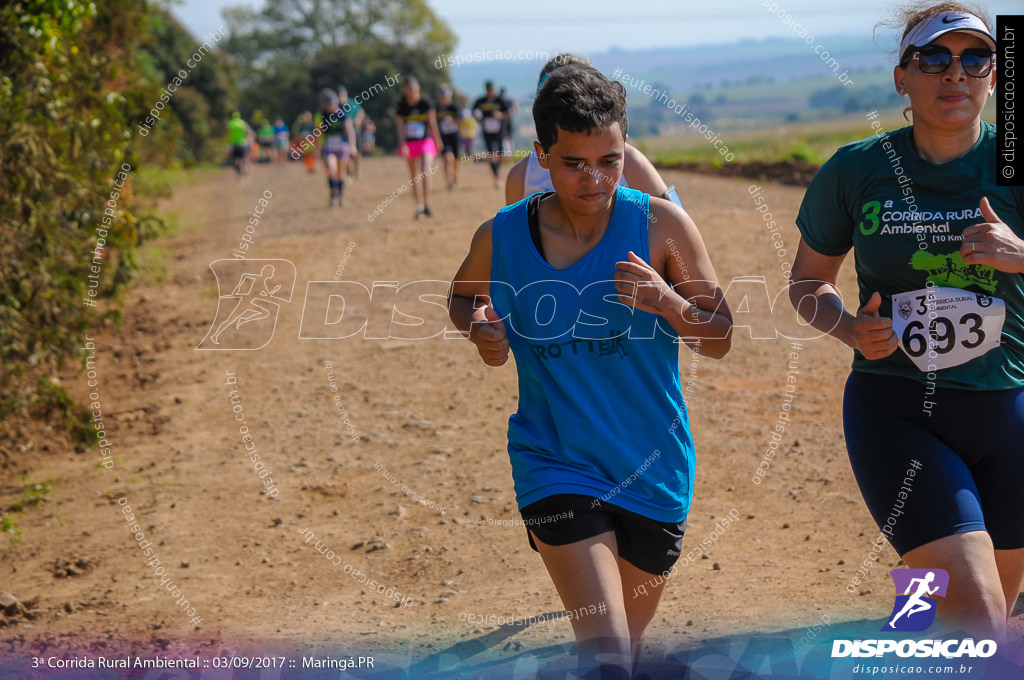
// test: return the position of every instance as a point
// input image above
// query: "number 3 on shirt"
(870, 210)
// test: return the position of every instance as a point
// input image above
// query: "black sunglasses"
(976, 62)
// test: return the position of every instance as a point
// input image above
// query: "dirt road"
(338, 422)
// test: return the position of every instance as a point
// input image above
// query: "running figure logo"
(247, 316)
(914, 610)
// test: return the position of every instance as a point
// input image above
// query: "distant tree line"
(90, 92)
(290, 50)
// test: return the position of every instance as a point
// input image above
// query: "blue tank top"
(600, 407)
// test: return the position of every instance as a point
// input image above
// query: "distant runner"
(467, 130)
(507, 145)
(418, 140)
(339, 138)
(239, 138)
(357, 115)
(301, 129)
(492, 111)
(265, 140)
(367, 136)
(282, 139)
(449, 116)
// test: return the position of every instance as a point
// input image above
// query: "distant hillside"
(746, 85)
(686, 69)
(751, 84)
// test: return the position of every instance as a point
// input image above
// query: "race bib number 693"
(944, 327)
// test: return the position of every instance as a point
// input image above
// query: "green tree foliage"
(291, 49)
(68, 89)
(75, 80)
(192, 125)
(301, 28)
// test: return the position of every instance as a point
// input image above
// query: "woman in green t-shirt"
(933, 410)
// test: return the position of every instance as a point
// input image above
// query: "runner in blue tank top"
(592, 287)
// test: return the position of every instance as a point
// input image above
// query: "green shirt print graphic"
(951, 271)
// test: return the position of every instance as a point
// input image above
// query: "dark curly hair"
(577, 98)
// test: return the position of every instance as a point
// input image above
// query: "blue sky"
(597, 25)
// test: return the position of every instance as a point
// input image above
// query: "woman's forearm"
(819, 304)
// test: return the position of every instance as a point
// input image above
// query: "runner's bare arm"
(515, 183)
(469, 301)
(641, 174)
(400, 131)
(434, 131)
(815, 295)
(679, 283)
(350, 133)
